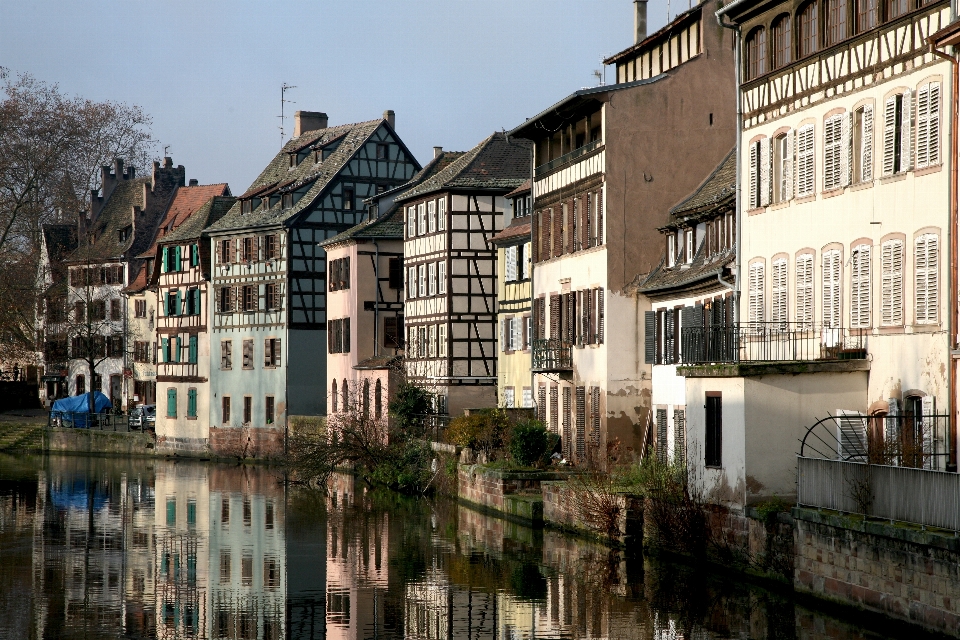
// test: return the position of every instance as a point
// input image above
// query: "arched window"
(333, 395)
(868, 15)
(366, 398)
(344, 397)
(807, 29)
(756, 62)
(780, 36)
(378, 400)
(836, 21)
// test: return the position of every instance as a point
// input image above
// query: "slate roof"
(497, 163)
(117, 214)
(701, 270)
(208, 213)
(389, 226)
(719, 186)
(279, 177)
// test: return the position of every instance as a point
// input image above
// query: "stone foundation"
(562, 509)
(258, 442)
(95, 442)
(183, 446)
(512, 494)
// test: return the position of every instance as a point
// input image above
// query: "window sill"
(783, 204)
(890, 330)
(711, 466)
(191, 417)
(894, 178)
(927, 170)
(832, 193)
(755, 212)
(247, 368)
(805, 199)
(925, 328)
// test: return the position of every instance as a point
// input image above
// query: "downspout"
(952, 272)
(376, 304)
(737, 199)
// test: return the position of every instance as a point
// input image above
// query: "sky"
(209, 72)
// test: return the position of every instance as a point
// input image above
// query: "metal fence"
(552, 354)
(919, 496)
(771, 342)
(97, 421)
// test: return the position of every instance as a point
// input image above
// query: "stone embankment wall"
(564, 507)
(512, 494)
(93, 441)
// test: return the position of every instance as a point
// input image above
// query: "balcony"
(552, 355)
(771, 342)
(567, 157)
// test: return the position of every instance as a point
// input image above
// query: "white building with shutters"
(845, 222)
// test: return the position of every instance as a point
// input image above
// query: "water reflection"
(99, 548)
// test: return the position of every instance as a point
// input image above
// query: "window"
(248, 354)
(442, 341)
(412, 282)
(835, 152)
(226, 251)
(441, 214)
(509, 397)
(688, 245)
(272, 295)
(382, 150)
(759, 174)
(432, 341)
(333, 395)
(348, 199)
(395, 271)
(173, 303)
(270, 251)
(756, 53)
(247, 409)
(191, 403)
(671, 250)
(344, 397)
(442, 277)
(411, 222)
(249, 299)
(115, 309)
(422, 280)
(897, 114)
(192, 350)
(338, 272)
(422, 342)
(432, 278)
(432, 216)
(225, 410)
(271, 352)
(392, 331)
(863, 144)
(141, 351)
(226, 354)
(268, 409)
(193, 302)
(867, 15)
(81, 385)
(804, 312)
(836, 30)
(926, 273)
(756, 301)
(225, 299)
(194, 255)
(171, 402)
(421, 219)
(338, 336)
(896, 8)
(249, 249)
(378, 400)
(714, 432)
(928, 125)
(97, 310)
(891, 283)
(860, 286)
(783, 167)
(830, 291)
(510, 263)
(808, 29)
(140, 308)
(778, 300)
(780, 37)
(805, 161)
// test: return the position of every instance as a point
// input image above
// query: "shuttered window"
(226, 354)
(441, 277)
(432, 216)
(422, 280)
(860, 286)
(778, 302)
(421, 219)
(928, 125)
(833, 152)
(783, 167)
(248, 354)
(432, 278)
(442, 341)
(441, 214)
(554, 316)
(926, 270)
(411, 222)
(765, 185)
(897, 133)
(863, 144)
(412, 282)
(756, 291)
(805, 161)
(192, 350)
(830, 290)
(891, 307)
(754, 194)
(510, 263)
(191, 403)
(171, 402)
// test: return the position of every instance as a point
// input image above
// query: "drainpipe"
(376, 304)
(738, 217)
(952, 272)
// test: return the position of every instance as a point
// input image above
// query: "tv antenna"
(283, 101)
(166, 150)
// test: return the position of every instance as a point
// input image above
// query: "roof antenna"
(166, 151)
(283, 90)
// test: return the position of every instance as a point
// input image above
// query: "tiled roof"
(117, 214)
(139, 283)
(209, 212)
(719, 186)
(313, 175)
(381, 362)
(497, 163)
(701, 270)
(520, 227)
(389, 226)
(519, 191)
(186, 201)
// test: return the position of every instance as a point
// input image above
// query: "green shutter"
(178, 308)
(176, 259)
(193, 349)
(165, 348)
(192, 403)
(195, 255)
(176, 349)
(163, 263)
(196, 301)
(171, 403)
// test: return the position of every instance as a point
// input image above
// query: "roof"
(657, 35)
(186, 201)
(719, 186)
(208, 213)
(381, 362)
(497, 163)
(949, 35)
(517, 229)
(117, 214)
(60, 239)
(389, 226)
(312, 177)
(700, 272)
(519, 191)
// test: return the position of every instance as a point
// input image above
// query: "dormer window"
(689, 244)
(292, 159)
(124, 234)
(671, 250)
(288, 201)
(246, 206)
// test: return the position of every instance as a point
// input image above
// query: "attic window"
(382, 150)
(347, 199)
(287, 200)
(124, 234)
(246, 206)
(293, 160)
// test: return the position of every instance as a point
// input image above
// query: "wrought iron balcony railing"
(771, 342)
(552, 354)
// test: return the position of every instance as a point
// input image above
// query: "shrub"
(530, 443)
(410, 402)
(485, 430)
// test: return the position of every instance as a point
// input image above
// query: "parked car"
(143, 417)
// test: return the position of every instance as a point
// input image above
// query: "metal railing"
(920, 496)
(567, 157)
(108, 421)
(903, 440)
(552, 354)
(771, 342)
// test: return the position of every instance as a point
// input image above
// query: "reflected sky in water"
(106, 548)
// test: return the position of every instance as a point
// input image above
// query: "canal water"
(107, 548)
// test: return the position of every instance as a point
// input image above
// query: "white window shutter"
(517, 333)
(891, 427)
(889, 134)
(851, 436)
(927, 257)
(432, 278)
(778, 302)
(830, 289)
(805, 161)
(441, 277)
(860, 287)
(804, 313)
(754, 166)
(846, 148)
(764, 172)
(756, 301)
(832, 152)
(891, 283)
(510, 255)
(928, 409)
(906, 132)
(503, 332)
(788, 165)
(933, 125)
(866, 145)
(923, 116)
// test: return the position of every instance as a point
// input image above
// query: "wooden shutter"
(503, 335)
(866, 145)
(851, 436)
(600, 217)
(583, 229)
(891, 286)
(889, 135)
(831, 289)
(590, 320)
(164, 262)
(595, 413)
(846, 148)
(267, 355)
(804, 311)
(923, 114)
(539, 326)
(788, 164)
(832, 139)
(581, 410)
(928, 428)
(805, 161)
(542, 404)
(346, 335)
(906, 131)
(860, 286)
(933, 125)
(650, 337)
(927, 257)
(669, 336)
(778, 302)
(510, 256)
(554, 316)
(558, 232)
(754, 201)
(755, 295)
(764, 146)
(600, 316)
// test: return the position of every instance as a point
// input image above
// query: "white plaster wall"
(725, 485)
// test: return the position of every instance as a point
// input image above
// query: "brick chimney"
(640, 19)
(391, 118)
(307, 121)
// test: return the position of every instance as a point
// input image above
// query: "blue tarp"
(73, 410)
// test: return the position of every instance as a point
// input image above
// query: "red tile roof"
(515, 230)
(524, 188)
(185, 202)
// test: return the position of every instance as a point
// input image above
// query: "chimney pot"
(307, 121)
(391, 118)
(640, 19)
(437, 151)
(194, 182)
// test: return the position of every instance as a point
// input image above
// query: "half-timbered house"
(514, 277)
(845, 220)
(451, 272)
(611, 161)
(268, 313)
(181, 281)
(57, 241)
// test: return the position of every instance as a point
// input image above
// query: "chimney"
(640, 19)
(436, 152)
(118, 168)
(307, 121)
(194, 182)
(391, 118)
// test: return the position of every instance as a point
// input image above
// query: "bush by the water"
(531, 443)
(484, 430)
(408, 405)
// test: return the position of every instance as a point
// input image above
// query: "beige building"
(845, 223)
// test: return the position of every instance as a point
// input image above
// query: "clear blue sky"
(209, 71)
